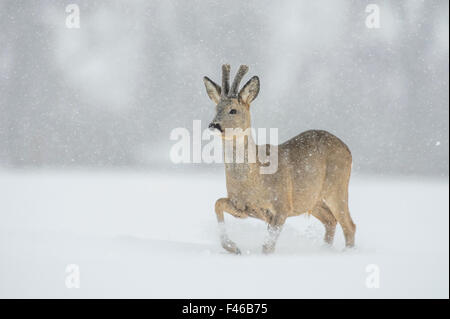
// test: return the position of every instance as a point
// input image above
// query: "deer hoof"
(268, 249)
(231, 247)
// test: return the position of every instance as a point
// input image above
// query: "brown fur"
(312, 177)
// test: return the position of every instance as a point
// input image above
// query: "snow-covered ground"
(143, 234)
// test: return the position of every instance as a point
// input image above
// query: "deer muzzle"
(215, 126)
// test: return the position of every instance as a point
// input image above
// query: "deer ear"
(212, 89)
(250, 90)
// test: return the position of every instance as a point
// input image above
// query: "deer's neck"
(246, 171)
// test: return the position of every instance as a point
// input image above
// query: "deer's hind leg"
(338, 205)
(335, 195)
(224, 205)
(323, 213)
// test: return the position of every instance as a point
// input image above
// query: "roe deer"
(312, 177)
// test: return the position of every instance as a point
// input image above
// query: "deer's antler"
(225, 79)
(237, 79)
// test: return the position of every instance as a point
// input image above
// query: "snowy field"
(143, 234)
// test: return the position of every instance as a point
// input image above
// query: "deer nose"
(216, 126)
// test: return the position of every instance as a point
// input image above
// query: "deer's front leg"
(224, 204)
(274, 229)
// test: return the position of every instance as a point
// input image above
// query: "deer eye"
(233, 111)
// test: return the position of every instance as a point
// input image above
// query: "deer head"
(232, 108)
